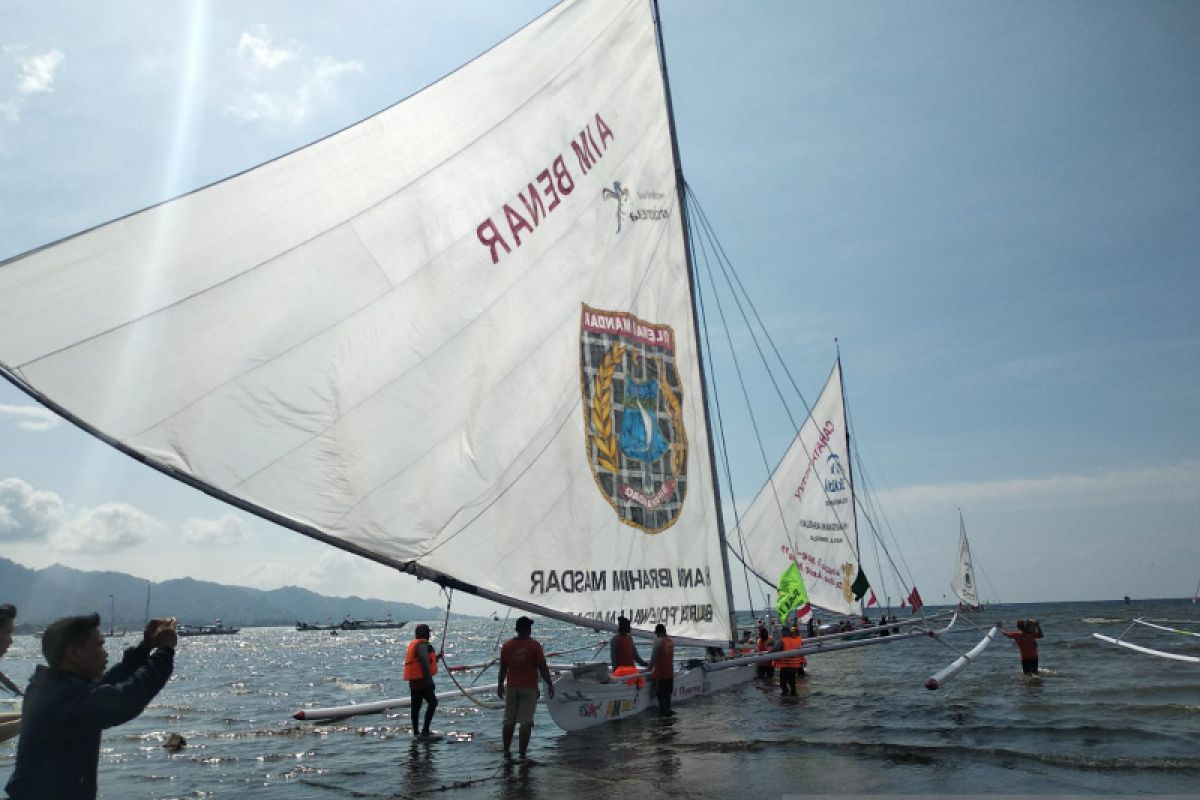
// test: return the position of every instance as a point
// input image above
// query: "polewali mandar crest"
(633, 417)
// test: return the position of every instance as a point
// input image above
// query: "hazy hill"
(45, 594)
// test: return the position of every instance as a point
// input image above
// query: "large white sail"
(456, 337)
(805, 513)
(963, 583)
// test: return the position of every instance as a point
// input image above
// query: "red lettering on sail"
(491, 237)
(543, 194)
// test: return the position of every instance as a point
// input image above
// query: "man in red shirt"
(621, 651)
(1026, 636)
(521, 660)
(662, 668)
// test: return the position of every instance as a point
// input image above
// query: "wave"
(353, 686)
(933, 754)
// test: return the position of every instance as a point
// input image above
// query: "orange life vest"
(412, 667)
(792, 662)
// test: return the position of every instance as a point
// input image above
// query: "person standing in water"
(1025, 637)
(662, 668)
(521, 661)
(792, 666)
(420, 665)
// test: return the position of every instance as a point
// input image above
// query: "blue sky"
(993, 207)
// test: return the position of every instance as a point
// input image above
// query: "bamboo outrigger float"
(1119, 641)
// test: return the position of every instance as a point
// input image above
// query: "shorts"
(519, 705)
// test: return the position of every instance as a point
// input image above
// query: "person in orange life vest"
(420, 665)
(662, 668)
(765, 669)
(1026, 636)
(791, 666)
(521, 661)
(622, 652)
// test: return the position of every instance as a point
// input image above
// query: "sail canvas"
(805, 514)
(455, 338)
(963, 582)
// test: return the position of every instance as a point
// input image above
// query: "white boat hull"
(582, 702)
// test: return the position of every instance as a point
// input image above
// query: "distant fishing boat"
(371, 624)
(217, 629)
(314, 626)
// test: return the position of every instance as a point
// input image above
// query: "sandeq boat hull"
(581, 702)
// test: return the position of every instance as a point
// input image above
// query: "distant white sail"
(805, 513)
(456, 337)
(963, 582)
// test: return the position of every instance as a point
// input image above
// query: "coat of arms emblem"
(633, 417)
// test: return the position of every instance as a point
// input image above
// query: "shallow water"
(1098, 721)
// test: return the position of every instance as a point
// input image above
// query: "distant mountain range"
(43, 595)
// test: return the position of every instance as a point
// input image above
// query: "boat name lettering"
(822, 442)
(821, 526)
(576, 581)
(668, 615)
(543, 194)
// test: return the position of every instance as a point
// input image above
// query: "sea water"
(1097, 721)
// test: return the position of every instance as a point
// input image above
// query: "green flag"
(860, 585)
(792, 594)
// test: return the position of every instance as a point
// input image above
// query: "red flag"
(872, 601)
(914, 600)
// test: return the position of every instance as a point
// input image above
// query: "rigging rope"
(703, 233)
(737, 524)
(465, 690)
(739, 292)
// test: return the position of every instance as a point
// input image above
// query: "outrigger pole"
(939, 678)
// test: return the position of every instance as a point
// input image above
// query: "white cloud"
(26, 513)
(104, 528)
(37, 72)
(35, 75)
(30, 417)
(256, 50)
(224, 531)
(273, 93)
(1175, 482)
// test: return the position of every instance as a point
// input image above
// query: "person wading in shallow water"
(420, 665)
(662, 668)
(792, 666)
(1026, 636)
(521, 661)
